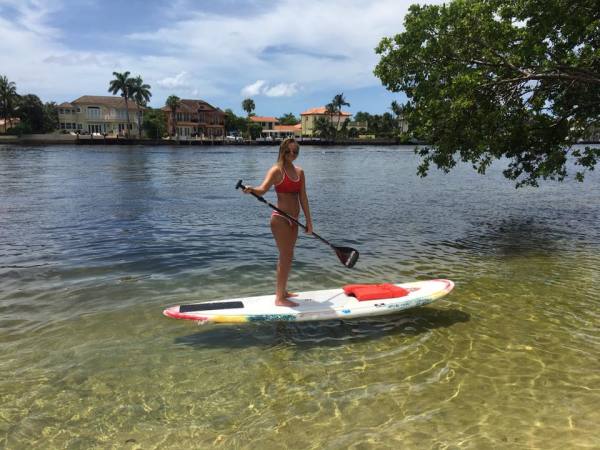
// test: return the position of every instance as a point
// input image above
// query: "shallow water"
(95, 242)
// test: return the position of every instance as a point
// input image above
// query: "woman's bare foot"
(285, 302)
(289, 294)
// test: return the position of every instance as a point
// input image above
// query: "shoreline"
(86, 140)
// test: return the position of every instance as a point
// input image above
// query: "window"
(93, 112)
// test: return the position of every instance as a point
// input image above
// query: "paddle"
(347, 255)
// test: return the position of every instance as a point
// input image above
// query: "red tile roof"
(263, 119)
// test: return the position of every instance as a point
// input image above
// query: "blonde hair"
(283, 148)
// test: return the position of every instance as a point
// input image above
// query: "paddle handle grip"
(239, 185)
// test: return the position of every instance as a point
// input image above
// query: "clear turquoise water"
(95, 242)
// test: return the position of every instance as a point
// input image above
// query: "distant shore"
(66, 139)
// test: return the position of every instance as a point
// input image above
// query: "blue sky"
(287, 55)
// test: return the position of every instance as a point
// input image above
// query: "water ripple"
(96, 242)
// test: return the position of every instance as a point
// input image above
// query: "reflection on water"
(94, 243)
(323, 334)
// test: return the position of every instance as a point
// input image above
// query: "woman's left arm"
(304, 204)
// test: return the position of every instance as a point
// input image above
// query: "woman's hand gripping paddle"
(348, 256)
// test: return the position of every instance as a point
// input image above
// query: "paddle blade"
(347, 255)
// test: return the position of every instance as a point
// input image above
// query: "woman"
(290, 185)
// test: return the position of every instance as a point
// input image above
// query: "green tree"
(490, 79)
(324, 128)
(122, 84)
(248, 106)
(398, 111)
(154, 123)
(362, 117)
(235, 123)
(338, 103)
(140, 93)
(173, 103)
(50, 117)
(31, 111)
(8, 100)
(254, 130)
(288, 119)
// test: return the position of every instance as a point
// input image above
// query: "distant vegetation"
(173, 103)
(34, 115)
(288, 119)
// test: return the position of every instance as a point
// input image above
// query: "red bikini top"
(287, 185)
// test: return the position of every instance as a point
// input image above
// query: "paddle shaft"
(283, 213)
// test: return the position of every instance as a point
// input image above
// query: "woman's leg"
(285, 238)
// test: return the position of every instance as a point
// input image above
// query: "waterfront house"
(11, 122)
(284, 131)
(196, 118)
(267, 123)
(309, 118)
(272, 129)
(98, 114)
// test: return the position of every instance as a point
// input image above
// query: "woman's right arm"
(270, 180)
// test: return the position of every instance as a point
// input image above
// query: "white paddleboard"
(314, 305)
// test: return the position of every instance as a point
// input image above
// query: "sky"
(288, 56)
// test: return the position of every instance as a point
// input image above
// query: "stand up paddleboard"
(355, 300)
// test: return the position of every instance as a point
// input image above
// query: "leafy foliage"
(124, 85)
(235, 123)
(248, 106)
(335, 109)
(35, 115)
(324, 128)
(381, 125)
(288, 119)
(8, 99)
(154, 123)
(255, 130)
(172, 103)
(140, 93)
(491, 79)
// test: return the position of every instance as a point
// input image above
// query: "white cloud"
(181, 80)
(253, 89)
(83, 58)
(260, 87)
(320, 45)
(282, 90)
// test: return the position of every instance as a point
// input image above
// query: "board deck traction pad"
(315, 305)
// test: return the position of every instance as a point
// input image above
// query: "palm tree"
(8, 98)
(123, 84)
(248, 106)
(173, 103)
(141, 94)
(337, 103)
